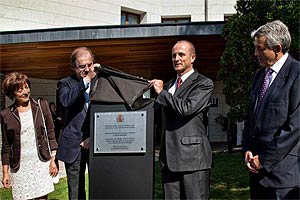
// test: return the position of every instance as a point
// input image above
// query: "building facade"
(25, 16)
(44, 14)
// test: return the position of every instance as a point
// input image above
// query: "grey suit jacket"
(274, 133)
(71, 95)
(185, 146)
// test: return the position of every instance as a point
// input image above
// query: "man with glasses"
(73, 93)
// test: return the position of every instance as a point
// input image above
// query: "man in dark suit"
(73, 93)
(185, 153)
(271, 136)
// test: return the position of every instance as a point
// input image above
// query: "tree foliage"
(238, 64)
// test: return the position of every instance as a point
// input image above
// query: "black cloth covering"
(115, 86)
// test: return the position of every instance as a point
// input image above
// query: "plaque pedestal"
(121, 154)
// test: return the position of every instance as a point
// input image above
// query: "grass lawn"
(229, 180)
(229, 177)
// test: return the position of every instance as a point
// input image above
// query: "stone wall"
(41, 14)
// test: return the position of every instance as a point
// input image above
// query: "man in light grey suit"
(185, 153)
(271, 135)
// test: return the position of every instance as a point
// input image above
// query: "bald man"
(185, 154)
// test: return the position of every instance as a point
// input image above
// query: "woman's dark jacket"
(11, 129)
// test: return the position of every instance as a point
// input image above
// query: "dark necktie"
(179, 81)
(86, 97)
(264, 88)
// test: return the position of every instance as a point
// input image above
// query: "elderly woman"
(28, 142)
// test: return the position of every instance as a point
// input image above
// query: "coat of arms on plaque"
(120, 118)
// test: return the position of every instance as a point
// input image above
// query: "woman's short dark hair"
(14, 81)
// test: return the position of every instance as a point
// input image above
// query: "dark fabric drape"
(115, 86)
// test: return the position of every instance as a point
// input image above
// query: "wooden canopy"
(148, 56)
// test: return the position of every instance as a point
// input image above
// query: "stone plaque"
(120, 132)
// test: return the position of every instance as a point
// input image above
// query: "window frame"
(127, 15)
(175, 20)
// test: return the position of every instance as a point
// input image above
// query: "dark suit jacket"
(185, 146)
(71, 95)
(274, 134)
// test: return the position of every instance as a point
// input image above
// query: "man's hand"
(255, 162)
(157, 85)
(86, 143)
(90, 75)
(249, 161)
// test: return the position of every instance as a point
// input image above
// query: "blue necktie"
(87, 97)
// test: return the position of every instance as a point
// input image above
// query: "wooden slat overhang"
(139, 50)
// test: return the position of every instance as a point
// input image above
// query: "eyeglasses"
(84, 66)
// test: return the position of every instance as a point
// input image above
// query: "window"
(130, 18)
(227, 16)
(176, 20)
